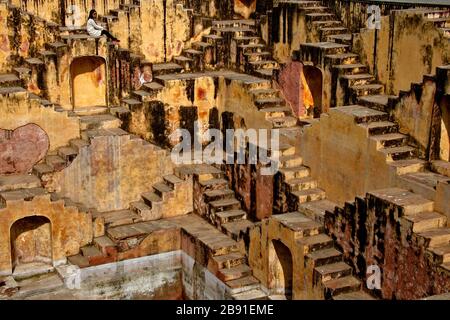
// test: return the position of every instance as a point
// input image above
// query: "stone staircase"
(216, 202)
(325, 271)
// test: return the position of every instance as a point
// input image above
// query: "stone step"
(325, 32)
(318, 16)
(56, 162)
(390, 140)
(399, 153)
(10, 80)
(324, 256)
(172, 180)
(353, 296)
(402, 167)
(326, 23)
(21, 195)
(424, 183)
(253, 56)
(200, 45)
(218, 194)
(255, 294)
(105, 245)
(332, 271)
(342, 38)
(252, 47)
(268, 102)
(78, 144)
(13, 91)
(67, 153)
(301, 225)
(308, 195)
(237, 229)
(378, 102)
(153, 86)
(316, 242)
(295, 172)
(234, 273)
(151, 199)
(225, 205)
(19, 181)
(244, 284)
(91, 252)
(341, 58)
(357, 79)
(380, 127)
(229, 260)
(264, 64)
(162, 190)
(103, 121)
(214, 183)
(141, 209)
(363, 114)
(342, 285)
(351, 69)
(409, 202)
(262, 94)
(424, 221)
(441, 167)
(442, 253)
(117, 218)
(366, 90)
(42, 169)
(224, 217)
(316, 209)
(276, 112)
(299, 184)
(142, 95)
(265, 73)
(165, 68)
(436, 237)
(79, 260)
(290, 161)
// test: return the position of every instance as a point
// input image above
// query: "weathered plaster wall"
(4, 38)
(22, 148)
(88, 78)
(265, 263)
(17, 112)
(335, 148)
(70, 229)
(414, 114)
(112, 172)
(210, 100)
(407, 44)
(371, 231)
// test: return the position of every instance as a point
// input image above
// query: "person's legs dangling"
(109, 35)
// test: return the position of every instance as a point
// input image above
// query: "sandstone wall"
(335, 148)
(70, 229)
(112, 172)
(371, 231)
(214, 101)
(60, 128)
(407, 44)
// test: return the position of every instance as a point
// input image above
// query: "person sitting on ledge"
(95, 30)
